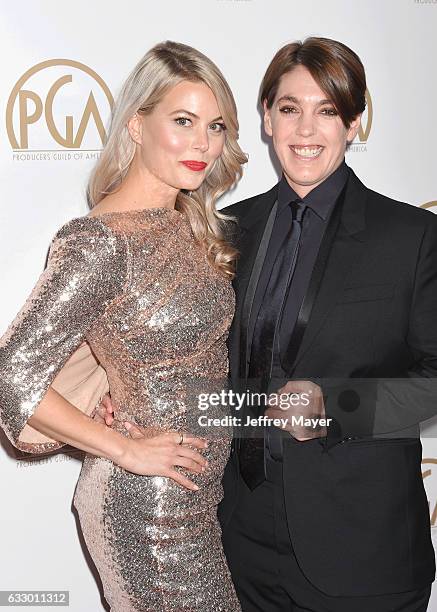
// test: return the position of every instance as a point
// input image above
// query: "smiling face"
(308, 135)
(182, 137)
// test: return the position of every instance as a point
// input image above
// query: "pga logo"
(58, 104)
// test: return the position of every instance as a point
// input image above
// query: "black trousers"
(264, 568)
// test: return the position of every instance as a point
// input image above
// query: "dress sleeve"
(86, 271)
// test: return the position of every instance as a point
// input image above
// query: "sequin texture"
(138, 288)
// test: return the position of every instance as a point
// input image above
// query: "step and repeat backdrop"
(63, 64)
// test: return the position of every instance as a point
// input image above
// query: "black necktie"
(265, 339)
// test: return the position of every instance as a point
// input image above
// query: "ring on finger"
(181, 441)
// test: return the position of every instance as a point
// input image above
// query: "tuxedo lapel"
(252, 233)
(342, 251)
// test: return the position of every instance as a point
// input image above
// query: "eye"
(288, 109)
(330, 112)
(218, 127)
(183, 121)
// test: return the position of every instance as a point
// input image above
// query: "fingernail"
(127, 425)
(195, 488)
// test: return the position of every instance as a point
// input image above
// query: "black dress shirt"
(320, 202)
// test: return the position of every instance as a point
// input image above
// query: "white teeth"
(307, 152)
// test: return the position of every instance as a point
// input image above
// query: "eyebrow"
(182, 110)
(288, 98)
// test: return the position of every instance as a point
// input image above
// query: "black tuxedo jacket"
(357, 511)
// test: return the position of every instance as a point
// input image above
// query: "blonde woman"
(145, 281)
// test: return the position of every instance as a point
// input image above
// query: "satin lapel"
(342, 251)
(246, 309)
(252, 234)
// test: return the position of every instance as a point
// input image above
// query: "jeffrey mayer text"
(263, 421)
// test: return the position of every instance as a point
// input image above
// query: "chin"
(186, 185)
(305, 180)
(193, 185)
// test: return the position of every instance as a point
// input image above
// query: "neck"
(141, 189)
(304, 190)
(301, 190)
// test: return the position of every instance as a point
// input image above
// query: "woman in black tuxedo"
(336, 298)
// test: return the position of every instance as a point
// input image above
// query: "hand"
(303, 413)
(104, 414)
(158, 454)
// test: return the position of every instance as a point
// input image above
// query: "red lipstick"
(194, 165)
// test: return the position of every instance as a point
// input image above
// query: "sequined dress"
(137, 288)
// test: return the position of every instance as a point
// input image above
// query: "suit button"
(348, 439)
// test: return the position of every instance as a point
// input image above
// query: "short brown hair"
(337, 70)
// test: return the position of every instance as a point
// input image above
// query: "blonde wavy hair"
(163, 67)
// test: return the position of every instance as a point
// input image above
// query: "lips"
(194, 165)
(307, 152)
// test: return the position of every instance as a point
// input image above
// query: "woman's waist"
(214, 423)
(159, 401)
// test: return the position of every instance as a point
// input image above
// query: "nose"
(201, 140)
(305, 124)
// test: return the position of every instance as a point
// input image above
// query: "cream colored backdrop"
(61, 64)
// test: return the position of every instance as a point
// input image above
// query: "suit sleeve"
(86, 270)
(363, 407)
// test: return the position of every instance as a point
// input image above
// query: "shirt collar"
(322, 198)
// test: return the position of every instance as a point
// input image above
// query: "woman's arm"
(58, 419)
(86, 271)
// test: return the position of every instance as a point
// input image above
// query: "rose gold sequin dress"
(138, 288)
